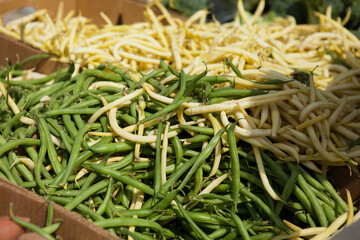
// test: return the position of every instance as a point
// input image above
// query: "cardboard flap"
(31, 205)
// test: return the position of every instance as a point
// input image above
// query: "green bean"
(177, 174)
(123, 75)
(12, 173)
(56, 112)
(53, 131)
(104, 204)
(269, 201)
(164, 66)
(314, 201)
(132, 108)
(27, 60)
(198, 180)
(289, 186)
(22, 101)
(225, 198)
(202, 157)
(328, 213)
(11, 144)
(113, 147)
(50, 214)
(70, 125)
(87, 193)
(170, 89)
(198, 129)
(66, 76)
(218, 233)
(142, 213)
(14, 120)
(145, 78)
(323, 197)
(68, 193)
(78, 121)
(189, 220)
(52, 228)
(278, 222)
(312, 181)
(84, 155)
(94, 100)
(135, 235)
(127, 118)
(165, 110)
(34, 156)
(150, 173)
(42, 80)
(207, 90)
(110, 90)
(18, 131)
(125, 201)
(211, 220)
(253, 211)
(299, 194)
(263, 236)
(192, 82)
(32, 184)
(77, 96)
(310, 220)
(128, 222)
(200, 138)
(128, 159)
(40, 159)
(67, 140)
(95, 73)
(240, 226)
(81, 207)
(165, 202)
(125, 179)
(182, 89)
(235, 69)
(173, 71)
(23, 170)
(53, 157)
(156, 84)
(75, 153)
(32, 227)
(30, 131)
(46, 91)
(6, 170)
(251, 178)
(332, 192)
(80, 82)
(235, 168)
(157, 166)
(179, 153)
(215, 79)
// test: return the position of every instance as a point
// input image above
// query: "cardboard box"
(118, 11)
(31, 205)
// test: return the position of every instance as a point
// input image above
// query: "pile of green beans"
(237, 208)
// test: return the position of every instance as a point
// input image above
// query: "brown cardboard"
(14, 50)
(118, 11)
(28, 204)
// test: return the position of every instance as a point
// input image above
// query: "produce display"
(187, 129)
